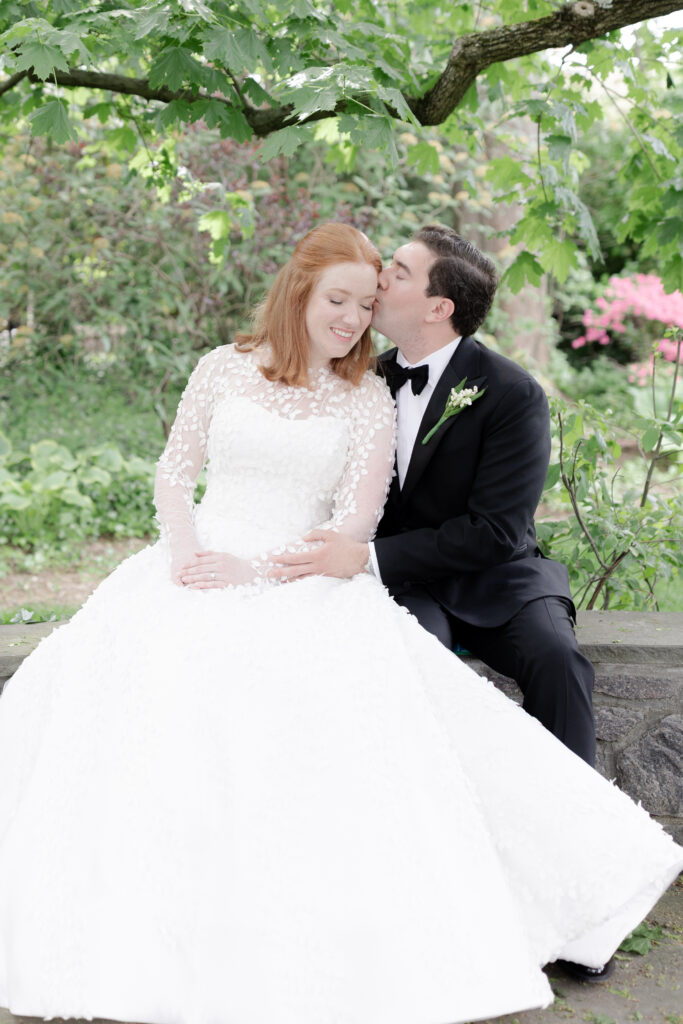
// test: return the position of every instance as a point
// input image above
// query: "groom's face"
(402, 301)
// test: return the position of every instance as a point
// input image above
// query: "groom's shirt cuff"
(373, 565)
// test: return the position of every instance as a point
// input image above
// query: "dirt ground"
(66, 587)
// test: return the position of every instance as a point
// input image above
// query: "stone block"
(651, 769)
(613, 724)
(639, 682)
(604, 762)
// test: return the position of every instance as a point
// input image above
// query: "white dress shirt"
(410, 409)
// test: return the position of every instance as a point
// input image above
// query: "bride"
(225, 800)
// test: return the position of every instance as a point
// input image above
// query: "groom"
(456, 545)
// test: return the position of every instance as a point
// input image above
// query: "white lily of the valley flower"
(459, 398)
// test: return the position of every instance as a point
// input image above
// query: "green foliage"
(107, 283)
(249, 70)
(37, 613)
(623, 532)
(50, 497)
(641, 939)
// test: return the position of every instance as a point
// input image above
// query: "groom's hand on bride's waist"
(330, 554)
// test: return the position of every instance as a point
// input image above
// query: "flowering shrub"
(635, 311)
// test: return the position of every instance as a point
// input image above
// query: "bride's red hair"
(280, 320)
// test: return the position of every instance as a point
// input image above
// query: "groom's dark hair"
(460, 273)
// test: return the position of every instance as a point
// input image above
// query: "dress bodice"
(269, 479)
(280, 460)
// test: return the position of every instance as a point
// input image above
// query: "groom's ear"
(440, 311)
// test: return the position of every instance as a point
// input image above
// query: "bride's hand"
(182, 556)
(211, 570)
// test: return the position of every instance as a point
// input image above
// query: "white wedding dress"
(289, 804)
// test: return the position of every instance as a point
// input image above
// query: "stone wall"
(638, 660)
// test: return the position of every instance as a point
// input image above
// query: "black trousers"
(537, 648)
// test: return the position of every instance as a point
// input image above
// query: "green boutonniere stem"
(459, 398)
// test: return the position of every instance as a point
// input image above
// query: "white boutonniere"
(459, 398)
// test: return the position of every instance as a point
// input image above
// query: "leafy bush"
(50, 497)
(104, 280)
(77, 406)
(626, 521)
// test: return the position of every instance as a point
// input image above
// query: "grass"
(78, 409)
(37, 613)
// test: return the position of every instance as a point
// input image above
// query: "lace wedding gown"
(289, 803)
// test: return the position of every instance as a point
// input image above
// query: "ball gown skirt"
(290, 803)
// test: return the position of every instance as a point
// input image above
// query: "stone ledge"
(18, 641)
(616, 638)
(635, 638)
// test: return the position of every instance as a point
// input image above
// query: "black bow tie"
(396, 376)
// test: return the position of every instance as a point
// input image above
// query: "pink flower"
(626, 299)
(669, 349)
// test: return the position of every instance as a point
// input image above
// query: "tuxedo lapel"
(465, 363)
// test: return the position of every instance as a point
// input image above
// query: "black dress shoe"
(580, 972)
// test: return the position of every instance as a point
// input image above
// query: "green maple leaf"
(672, 275)
(424, 157)
(173, 67)
(235, 50)
(52, 119)
(151, 21)
(286, 142)
(558, 257)
(42, 58)
(221, 46)
(230, 121)
(217, 223)
(525, 268)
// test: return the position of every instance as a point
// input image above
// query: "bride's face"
(339, 310)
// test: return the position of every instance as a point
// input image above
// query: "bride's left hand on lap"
(214, 570)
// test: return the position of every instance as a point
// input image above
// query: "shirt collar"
(436, 361)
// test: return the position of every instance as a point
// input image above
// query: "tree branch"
(12, 81)
(571, 24)
(262, 122)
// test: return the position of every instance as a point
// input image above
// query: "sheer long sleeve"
(184, 456)
(364, 485)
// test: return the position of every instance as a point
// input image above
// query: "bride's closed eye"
(338, 302)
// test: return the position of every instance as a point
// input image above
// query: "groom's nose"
(382, 280)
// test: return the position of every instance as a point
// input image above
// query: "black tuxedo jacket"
(463, 523)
